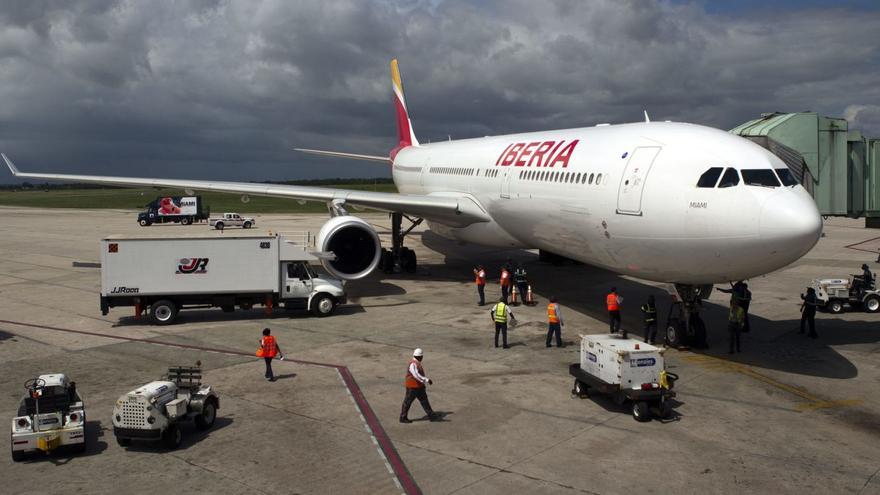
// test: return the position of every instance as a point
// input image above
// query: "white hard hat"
(418, 352)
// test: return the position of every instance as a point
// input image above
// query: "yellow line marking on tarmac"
(813, 402)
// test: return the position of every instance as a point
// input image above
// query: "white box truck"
(625, 369)
(161, 276)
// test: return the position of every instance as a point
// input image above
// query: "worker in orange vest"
(268, 350)
(416, 383)
(480, 279)
(612, 302)
(554, 323)
(505, 282)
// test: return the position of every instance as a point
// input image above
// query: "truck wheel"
(664, 409)
(79, 448)
(246, 225)
(323, 305)
(172, 437)
(218, 225)
(581, 389)
(18, 455)
(835, 306)
(143, 222)
(186, 221)
(872, 304)
(209, 414)
(641, 411)
(123, 442)
(163, 312)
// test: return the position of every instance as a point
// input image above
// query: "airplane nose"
(791, 220)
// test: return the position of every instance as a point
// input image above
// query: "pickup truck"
(231, 220)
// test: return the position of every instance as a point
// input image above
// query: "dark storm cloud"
(226, 89)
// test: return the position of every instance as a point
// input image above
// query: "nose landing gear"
(684, 327)
(399, 258)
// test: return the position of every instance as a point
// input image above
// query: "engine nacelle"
(355, 244)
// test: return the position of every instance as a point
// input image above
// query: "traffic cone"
(529, 299)
(513, 292)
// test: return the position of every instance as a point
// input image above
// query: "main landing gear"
(684, 327)
(399, 258)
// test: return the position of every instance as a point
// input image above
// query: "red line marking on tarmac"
(853, 246)
(387, 447)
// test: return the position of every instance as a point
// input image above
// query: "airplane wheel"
(675, 333)
(409, 261)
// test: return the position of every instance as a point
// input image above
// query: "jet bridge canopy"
(838, 166)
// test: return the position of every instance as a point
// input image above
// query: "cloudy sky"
(226, 89)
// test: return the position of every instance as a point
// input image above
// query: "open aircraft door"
(632, 183)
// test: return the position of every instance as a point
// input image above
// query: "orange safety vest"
(505, 278)
(551, 313)
(611, 302)
(268, 346)
(481, 277)
(411, 381)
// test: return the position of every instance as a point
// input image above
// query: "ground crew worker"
(505, 283)
(735, 320)
(554, 323)
(415, 382)
(808, 312)
(521, 280)
(612, 302)
(268, 350)
(866, 281)
(741, 294)
(480, 279)
(649, 310)
(501, 314)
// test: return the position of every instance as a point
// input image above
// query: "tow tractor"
(625, 370)
(833, 294)
(50, 415)
(154, 411)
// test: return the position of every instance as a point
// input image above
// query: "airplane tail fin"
(405, 133)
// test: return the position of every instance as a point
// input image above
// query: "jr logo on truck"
(192, 265)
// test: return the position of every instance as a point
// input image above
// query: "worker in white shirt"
(416, 383)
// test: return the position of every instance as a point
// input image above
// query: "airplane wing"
(452, 210)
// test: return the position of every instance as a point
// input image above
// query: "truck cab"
(304, 288)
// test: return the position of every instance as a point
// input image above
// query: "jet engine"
(355, 244)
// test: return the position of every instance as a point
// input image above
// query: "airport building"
(838, 166)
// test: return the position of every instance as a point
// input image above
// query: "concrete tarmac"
(787, 415)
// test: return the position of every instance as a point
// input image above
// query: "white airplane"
(668, 202)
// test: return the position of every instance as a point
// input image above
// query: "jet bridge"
(839, 167)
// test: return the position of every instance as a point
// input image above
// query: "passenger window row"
(559, 176)
(452, 170)
(763, 177)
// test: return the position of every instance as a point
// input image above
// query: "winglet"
(405, 133)
(647, 119)
(9, 164)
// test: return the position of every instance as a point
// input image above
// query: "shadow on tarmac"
(583, 289)
(190, 436)
(65, 454)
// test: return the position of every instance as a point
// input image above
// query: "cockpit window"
(729, 179)
(710, 177)
(786, 176)
(763, 177)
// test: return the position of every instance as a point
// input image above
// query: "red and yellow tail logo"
(405, 133)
